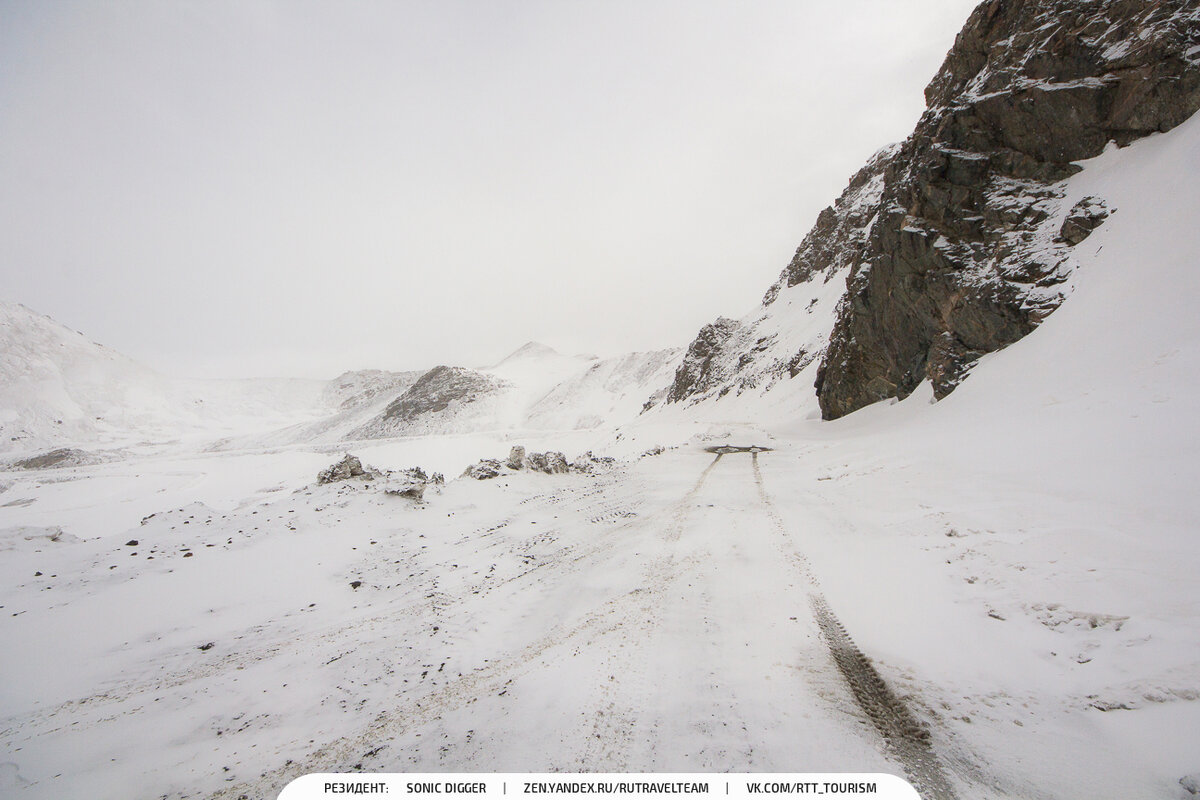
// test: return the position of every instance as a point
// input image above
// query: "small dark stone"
(132, 543)
(355, 584)
(206, 646)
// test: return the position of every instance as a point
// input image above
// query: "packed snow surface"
(1019, 562)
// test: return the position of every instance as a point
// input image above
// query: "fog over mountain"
(248, 189)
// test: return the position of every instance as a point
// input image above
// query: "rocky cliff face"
(954, 244)
(783, 339)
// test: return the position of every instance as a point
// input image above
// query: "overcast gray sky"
(298, 188)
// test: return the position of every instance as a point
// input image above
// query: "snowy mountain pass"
(676, 612)
(1017, 561)
(643, 619)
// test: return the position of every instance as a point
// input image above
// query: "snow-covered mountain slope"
(59, 388)
(534, 389)
(1034, 533)
(608, 392)
(539, 389)
(443, 400)
(780, 343)
(957, 242)
(1017, 562)
(453, 400)
(361, 387)
(351, 401)
(532, 372)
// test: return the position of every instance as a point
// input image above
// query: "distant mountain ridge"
(58, 389)
(533, 388)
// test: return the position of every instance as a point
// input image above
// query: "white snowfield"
(1017, 563)
(59, 388)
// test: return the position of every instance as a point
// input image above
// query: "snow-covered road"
(678, 612)
(653, 617)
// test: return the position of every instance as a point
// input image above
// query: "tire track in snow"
(613, 725)
(905, 738)
(680, 512)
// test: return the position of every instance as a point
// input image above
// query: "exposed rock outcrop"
(60, 457)
(785, 336)
(1083, 218)
(702, 367)
(485, 469)
(410, 483)
(839, 238)
(590, 463)
(551, 462)
(349, 467)
(437, 389)
(956, 243)
(413, 490)
(432, 403)
(956, 264)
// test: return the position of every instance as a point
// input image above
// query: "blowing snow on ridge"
(928, 510)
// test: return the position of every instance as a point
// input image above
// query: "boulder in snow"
(550, 462)
(485, 469)
(413, 490)
(590, 462)
(349, 467)
(556, 463)
(516, 457)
